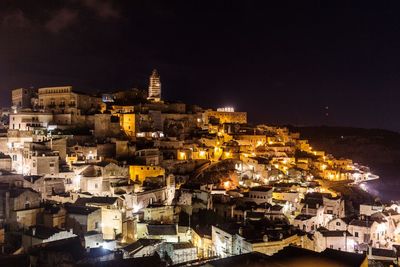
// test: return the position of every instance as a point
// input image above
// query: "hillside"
(376, 148)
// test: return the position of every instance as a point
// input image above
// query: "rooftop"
(81, 210)
(96, 200)
(42, 232)
(161, 229)
(293, 256)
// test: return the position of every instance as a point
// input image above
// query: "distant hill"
(379, 149)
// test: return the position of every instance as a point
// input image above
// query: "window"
(330, 246)
(356, 234)
(338, 223)
(95, 186)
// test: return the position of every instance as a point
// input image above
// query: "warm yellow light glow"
(227, 184)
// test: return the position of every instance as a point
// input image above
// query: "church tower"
(155, 87)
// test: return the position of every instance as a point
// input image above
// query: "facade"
(5, 162)
(129, 123)
(41, 163)
(63, 99)
(260, 195)
(19, 207)
(141, 172)
(22, 97)
(155, 87)
(149, 157)
(83, 219)
(180, 252)
(111, 214)
(225, 116)
(27, 121)
(339, 240)
(159, 213)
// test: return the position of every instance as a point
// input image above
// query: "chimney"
(306, 208)
(33, 231)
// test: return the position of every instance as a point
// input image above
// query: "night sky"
(282, 64)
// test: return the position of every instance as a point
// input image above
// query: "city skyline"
(193, 133)
(314, 59)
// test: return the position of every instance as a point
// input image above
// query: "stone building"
(225, 116)
(27, 121)
(155, 87)
(5, 162)
(21, 97)
(63, 99)
(19, 207)
(83, 219)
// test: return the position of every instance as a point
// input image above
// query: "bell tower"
(155, 87)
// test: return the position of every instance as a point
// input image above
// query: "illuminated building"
(155, 87)
(26, 121)
(22, 97)
(63, 99)
(225, 116)
(41, 163)
(111, 214)
(83, 219)
(203, 243)
(180, 252)
(129, 123)
(141, 172)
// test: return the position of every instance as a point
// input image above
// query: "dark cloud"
(61, 20)
(102, 8)
(15, 19)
